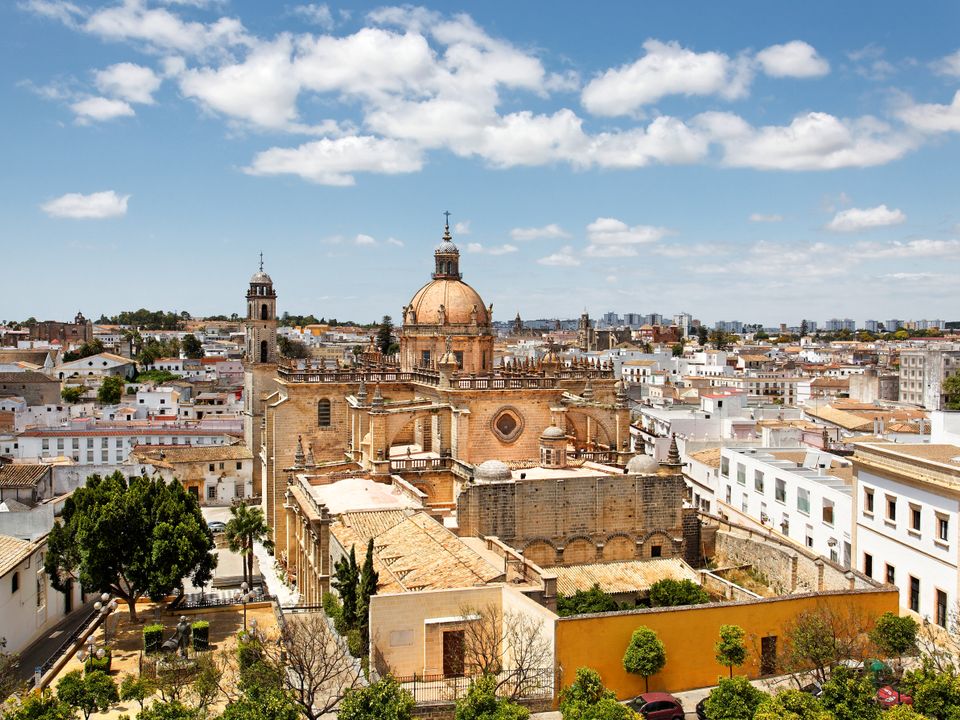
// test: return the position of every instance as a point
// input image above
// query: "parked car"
(217, 526)
(814, 688)
(701, 709)
(657, 706)
(888, 697)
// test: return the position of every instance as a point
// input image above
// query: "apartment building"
(922, 372)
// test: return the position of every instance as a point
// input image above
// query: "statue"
(179, 640)
(473, 315)
(442, 315)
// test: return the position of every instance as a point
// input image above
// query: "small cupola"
(446, 257)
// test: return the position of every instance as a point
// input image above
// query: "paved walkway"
(271, 577)
(40, 651)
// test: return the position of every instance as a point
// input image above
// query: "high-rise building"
(871, 326)
(922, 372)
(892, 325)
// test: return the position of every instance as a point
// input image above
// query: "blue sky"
(748, 160)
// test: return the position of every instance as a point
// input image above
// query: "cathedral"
(430, 416)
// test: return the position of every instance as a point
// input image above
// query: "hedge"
(201, 635)
(94, 663)
(334, 610)
(152, 638)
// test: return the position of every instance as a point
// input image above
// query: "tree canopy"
(130, 538)
(385, 335)
(670, 593)
(645, 655)
(192, 347)
(588, 699)
(730, 648)
(733, 699)
(111, 390)
(582, 602)
(382, 700)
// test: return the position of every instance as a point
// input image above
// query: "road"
(42, 648)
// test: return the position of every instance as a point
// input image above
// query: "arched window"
(264, 351)
(323, 413)
(263, 312)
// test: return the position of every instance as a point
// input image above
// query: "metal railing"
(515, 684)
(67, 644)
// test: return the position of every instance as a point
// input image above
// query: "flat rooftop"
(356, 494)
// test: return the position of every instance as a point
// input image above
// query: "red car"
(888, 697)
(657, 706)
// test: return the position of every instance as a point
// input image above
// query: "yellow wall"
(689, 634)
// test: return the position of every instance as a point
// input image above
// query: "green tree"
(130, 538)
(94, 347)
(383, 700)
(803, 328)
(385, 335)
(293, 349)
(366, 588)
(9, 672)
(895, 636)
(111, 390)
(935, 693)
(791, 705)
(245, 527)
(822, 637)
(645, 655)
(588, 699)
(481, 703)
(951, 390)
(270, 704)
(581, 602)
(41, 706)
(89, 693)
(702, 334)
(850, 697)
(72, 393)
(677, 349)
(172, 710)
(730, 648)
(192, 347)
(345, 579)
(670, 593)
(733, 699)
(720, 339)
(136, 687)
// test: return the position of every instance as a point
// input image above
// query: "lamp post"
(244, 596)
(105, 605)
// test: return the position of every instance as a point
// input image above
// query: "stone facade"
(260, 364)
(581, 519)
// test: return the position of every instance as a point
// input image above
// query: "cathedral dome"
(261, 278)
(457, 298)
(642, 465)
(447, 246)
(492, 471)
(553, 433)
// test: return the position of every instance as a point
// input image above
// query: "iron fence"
(514, 684)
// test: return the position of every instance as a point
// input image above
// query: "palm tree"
(245, 527)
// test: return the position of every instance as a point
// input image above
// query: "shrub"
(670, 593)
(201, 635)
(152, 638)
(355, 643)
(94, 663)
(334, 610)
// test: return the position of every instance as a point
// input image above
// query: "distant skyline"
(736, 161)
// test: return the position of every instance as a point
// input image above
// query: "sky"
(758, 161)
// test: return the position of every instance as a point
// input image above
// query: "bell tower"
(261, 321)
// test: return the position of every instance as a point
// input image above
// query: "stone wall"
(580, 520)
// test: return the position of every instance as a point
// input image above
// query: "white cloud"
(761, 218)
(666, 69)
(100, 108)
(393, 241)
(362, 239)
(133, 83)
(333, 162)
(814, 141)
(315, 13)
(562, 258)
(912, 277)
(920, 248)
(462, 228)
(612, 238)
(65, 12)
(949, 65)
(795, 59)
(504, 249)
(548, 232)
(857, 219)
(933, 118)
(869, 62)
(96, 205)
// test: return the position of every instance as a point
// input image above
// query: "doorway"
(453, 653)
(768, 655)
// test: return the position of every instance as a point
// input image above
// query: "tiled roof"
(27, 376)
(622, 577)
(13, 551)
(417, 553)
(22, 476)
(182, 454)
(709, 457)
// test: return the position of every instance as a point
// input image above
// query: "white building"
(99, 366)
(157, 401)
(907, 522)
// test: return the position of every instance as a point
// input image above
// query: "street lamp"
(244, 596)
(105, 605)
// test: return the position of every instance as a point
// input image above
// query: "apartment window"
(758, 481)
(90, 456)
(915, 518)
(15, 582)
(743, 503)
(45, 444)
(891, 508)
(41, 589)
(891, 574)
(103, 442)
(867, 501)
(323, 413)
(656, 551)
(803, 500)
(239, 465)
(89, 442)
(76, 443)
(785, 524)
(780, 491)
(212, 492)
(741, 474)
(59, 443)
(729, 494)
(104, 456)
(941, 608)
(725, 467)
(943, 528)
(868, 565)
(212, 468)
(914, 594)
(221, 466)
(828, 511)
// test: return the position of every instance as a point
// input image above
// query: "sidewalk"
(271, 578)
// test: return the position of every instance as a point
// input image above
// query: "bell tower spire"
(447, 256)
